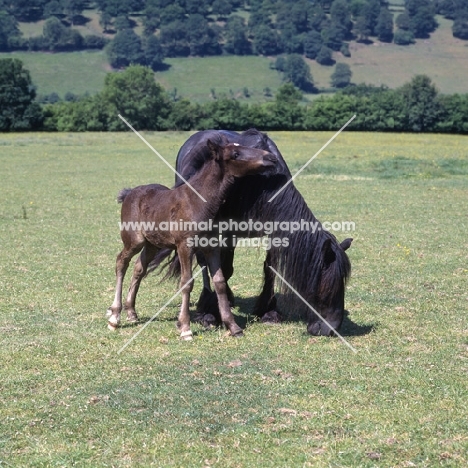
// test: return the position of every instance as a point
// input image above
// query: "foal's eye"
(235, 155)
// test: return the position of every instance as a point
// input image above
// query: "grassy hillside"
(442, 57)
(77, 72)
(194, 78)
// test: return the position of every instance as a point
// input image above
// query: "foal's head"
(239, 161)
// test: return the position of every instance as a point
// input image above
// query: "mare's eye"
(235, 155)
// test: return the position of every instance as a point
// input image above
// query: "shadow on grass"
(246, 306)
(245, 317)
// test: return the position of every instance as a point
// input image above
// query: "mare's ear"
(214, 149)
(346, 244)
(328, 254)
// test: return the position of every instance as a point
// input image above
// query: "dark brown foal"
(152, 208)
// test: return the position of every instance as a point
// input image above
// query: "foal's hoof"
(112, 326)
(271, 317)
(108, 312)
(186, 335)
(113, 323)
(238, 334)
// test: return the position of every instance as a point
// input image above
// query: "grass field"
(277, 397)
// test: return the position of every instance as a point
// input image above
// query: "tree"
(73, 8)
(324, 57)
(266, 40)
(287, 113)
(58, 37)
(154, 53)
(221, 8)
(341, 15)
(125, 49)
(202, 39)
(312, 44)
(291, 41)
(362, 28)
(18, 111)
(460, 26)
(422, 106)
(235, 33)
(172, 13)
(9, 31)
(297, 72)
(370, 12)
(137, 97)
(423, 22)
(341, 77)
(174, 39)
(26, 10)
(403, 37)
(105, 20)
(384, 27)
(122, 22)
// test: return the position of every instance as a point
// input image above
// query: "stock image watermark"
(248, 233)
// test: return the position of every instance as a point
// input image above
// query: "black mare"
(314, 263)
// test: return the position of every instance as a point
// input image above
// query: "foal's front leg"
(213, 258)
(186, 284)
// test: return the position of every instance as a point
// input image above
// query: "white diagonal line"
(160, 310)
(162, 159)
(312, 309)
(312, 158)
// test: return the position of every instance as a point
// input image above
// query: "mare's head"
(335, 269)
(240, 161)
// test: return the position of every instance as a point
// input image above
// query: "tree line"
(415, 107)
(181, 28)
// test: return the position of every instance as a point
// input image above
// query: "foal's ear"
(214, 149)
(346, 244)
(328, 254)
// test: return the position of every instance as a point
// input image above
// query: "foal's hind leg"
(139, 272)
(123, 260)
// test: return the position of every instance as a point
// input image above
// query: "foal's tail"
(171, 266)
(122, 194)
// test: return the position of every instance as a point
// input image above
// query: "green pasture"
(276, 397)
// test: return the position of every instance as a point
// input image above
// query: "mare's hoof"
(209, 321)
(186, 336)
(238, 334)
(271, 317)
(132, 318)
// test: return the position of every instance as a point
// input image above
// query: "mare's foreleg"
(265, 306)
(207, 305)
